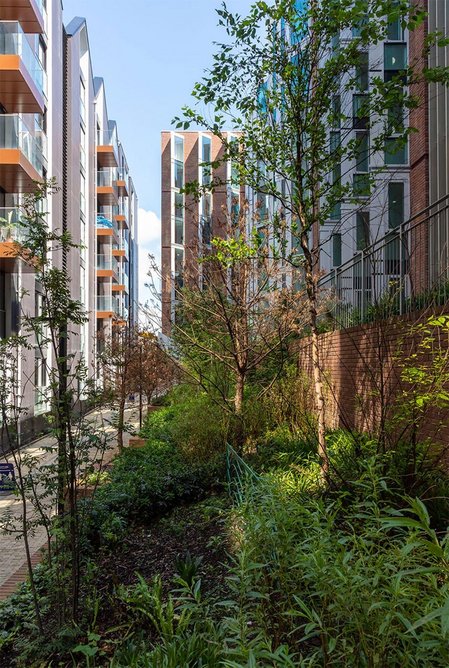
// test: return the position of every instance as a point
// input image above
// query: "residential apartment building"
(116, 269)
(50, 112)
(189, 225)
(389, 241)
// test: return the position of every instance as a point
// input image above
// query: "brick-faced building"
(189, 225)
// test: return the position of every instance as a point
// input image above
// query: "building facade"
(189, 225)
(52, 114)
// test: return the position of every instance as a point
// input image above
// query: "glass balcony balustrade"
(11, 228)
(107, 263)
(14, 42)
(106, 178)
(108, 303)
(15, 133)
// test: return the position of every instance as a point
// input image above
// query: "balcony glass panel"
(13, 42)
(105, 177)
(105, 303)
(11, 229)
(16, 134)
(107, 262)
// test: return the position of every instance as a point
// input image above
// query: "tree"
(235, 317)
(296, 92)
(152, 370)
(51, 488)
(132, 362)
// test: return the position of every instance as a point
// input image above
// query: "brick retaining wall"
(362, 368)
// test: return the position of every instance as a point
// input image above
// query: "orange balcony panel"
(122, 188)
(17, 174)
(105, 273)
(9, 259)
(27, 12)
(118, 288)
(107, 195)
(119, 252)
(104, 315)
(119, 323)
(18, 92)
(122, 220)
(106, 156)
(105, 232)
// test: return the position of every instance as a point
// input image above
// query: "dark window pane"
(362, 230)
(395, 204)
(360, 111)
(362, 152)
(179, 231)
(336, 250)
(361, 185)
(179, 174)
(362, 72)
(395, 152)
(179, 205)
(395, 57)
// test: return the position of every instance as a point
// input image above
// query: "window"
(179, 205)
(336, 249)
(395, 204)
(179, 231)
(362, 72)
(205, 158)
(395, 57)
(362, 152)
(395, 60)
(179, 162)
(360, 111)
(335, 213)
(179, 218)
(334, 145)
(336, 111)
(361, 185)
(179, 268)
(395, 118)
(396, 152)
(362, 230)
(206, 220)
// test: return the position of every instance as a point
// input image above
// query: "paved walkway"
(12, 549)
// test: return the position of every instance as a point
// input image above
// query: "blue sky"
(150, 53)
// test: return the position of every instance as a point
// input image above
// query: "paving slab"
(13, 567)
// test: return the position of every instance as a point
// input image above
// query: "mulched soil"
(197, 529)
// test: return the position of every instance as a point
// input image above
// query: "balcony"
(21, 74)
(107, 306)
(12, 232)
(22, 155)
(30, 13)
(122, 184)
(119, 251)
(106, 226)
(118, 288)
(107, 267)
(106, 187)
(107, 149)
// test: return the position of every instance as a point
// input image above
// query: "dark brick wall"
(362, 369)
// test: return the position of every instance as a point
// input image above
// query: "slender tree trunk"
(238, 408)
(121, 422)
(312, 296)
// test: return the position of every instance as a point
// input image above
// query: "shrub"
(349, 581)
(146, 483)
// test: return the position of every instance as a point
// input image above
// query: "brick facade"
(362, 369)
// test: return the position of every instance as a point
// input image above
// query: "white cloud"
(149, 243)
(149, 228)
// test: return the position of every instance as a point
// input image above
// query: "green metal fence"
(238, 474)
